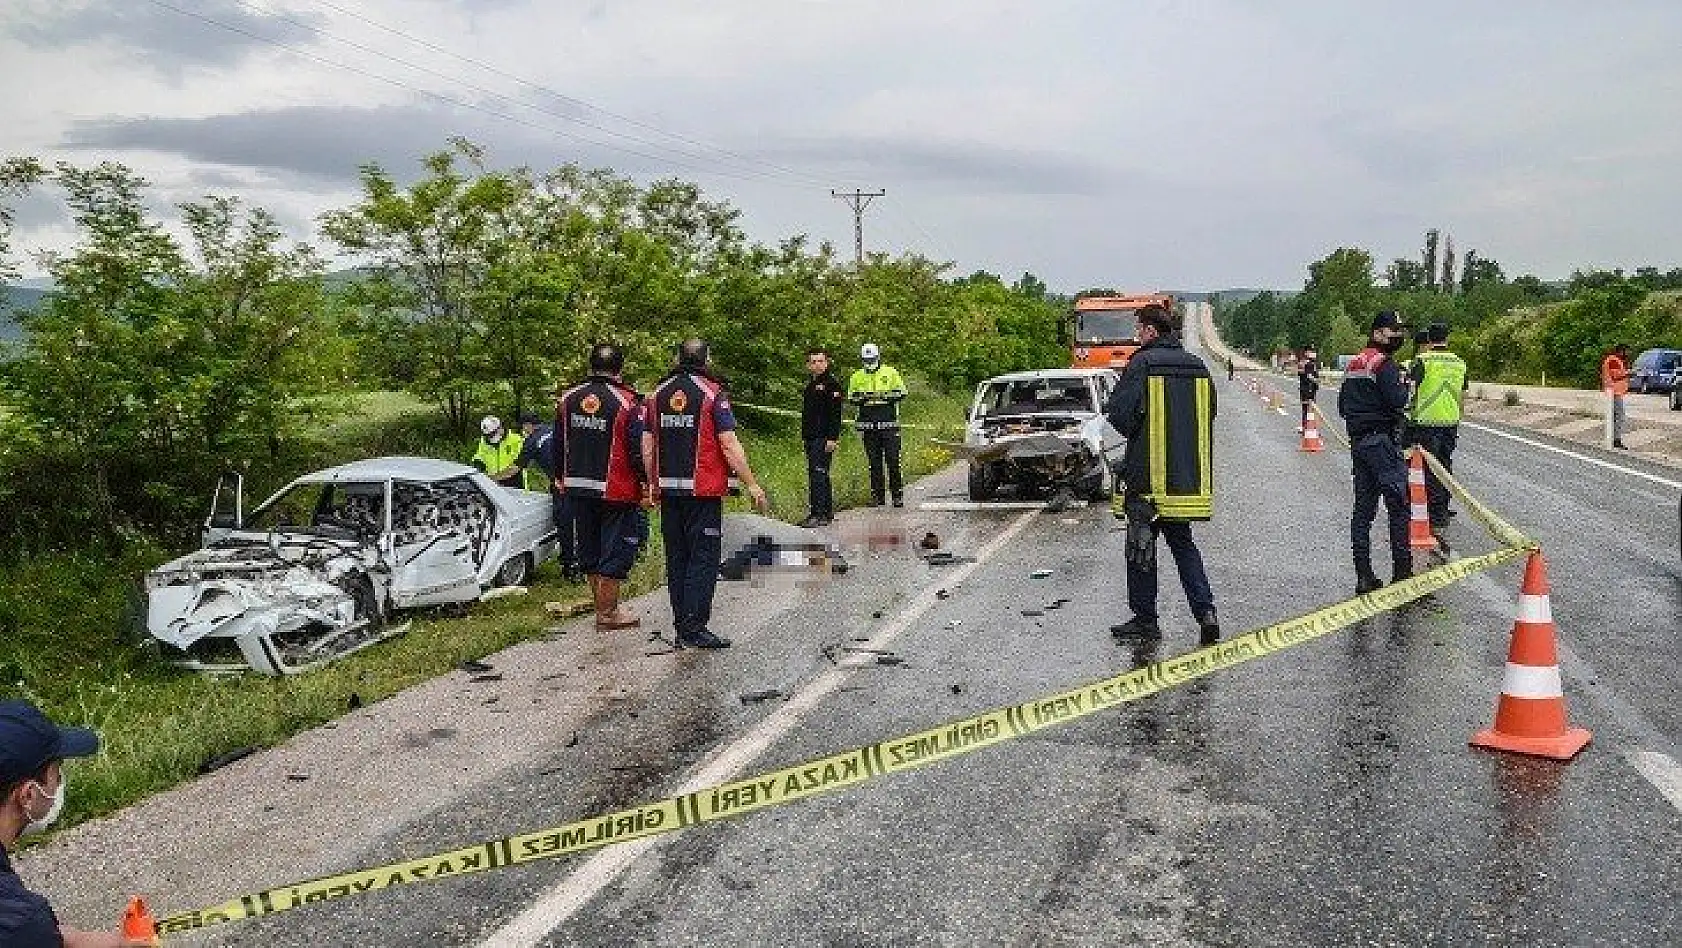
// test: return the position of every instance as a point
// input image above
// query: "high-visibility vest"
(502, 455)
(1436, 403)
(1180, 457)
(878, 395)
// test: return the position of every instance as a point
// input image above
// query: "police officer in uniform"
(538, 453)
(1308, 384)
(1372, 401)
(598, 450)
(877, 390)
(1439, 384)
(690, 450)
(32, 755)
(498, 452)
(1164, 405)
(820, 432)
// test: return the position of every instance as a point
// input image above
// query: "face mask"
(51, 816)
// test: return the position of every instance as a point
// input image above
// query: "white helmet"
(870, 353)
(490, 425)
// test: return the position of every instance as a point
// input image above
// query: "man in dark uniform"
(598, 453)
(690, 450)
(820, 431)
(1308, 384)
(538, 451)
(32, 755)
(1372, 400)
(1164, 405)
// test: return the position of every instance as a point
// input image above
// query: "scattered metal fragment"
(497, 676)
(942, 594)
(1033, 612)
(871, 651)
(889, 660)
(877, 614)
(573, 740)
(753, 697)
(957, 689)
(297, 778)
(223, 760)
(1040, 573)
(475, 666)
(930, 541)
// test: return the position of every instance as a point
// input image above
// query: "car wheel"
(983, 482)
(515, 572)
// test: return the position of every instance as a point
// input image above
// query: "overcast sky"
(1144, 145)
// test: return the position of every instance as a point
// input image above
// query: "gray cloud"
(329, 143)
(159, 38)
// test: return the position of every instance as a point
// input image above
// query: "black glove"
(1141, 533)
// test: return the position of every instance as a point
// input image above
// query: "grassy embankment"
(73, 648)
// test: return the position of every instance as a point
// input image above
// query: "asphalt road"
(1323, 796)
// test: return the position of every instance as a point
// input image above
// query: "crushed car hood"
(249, 583)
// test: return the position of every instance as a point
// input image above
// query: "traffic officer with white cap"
(877, 390)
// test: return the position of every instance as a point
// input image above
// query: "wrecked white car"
(315, 572)
(1043, 433)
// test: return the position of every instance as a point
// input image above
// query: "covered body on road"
(314, 572)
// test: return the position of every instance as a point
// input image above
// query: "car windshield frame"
(326, 492)
(991, 403)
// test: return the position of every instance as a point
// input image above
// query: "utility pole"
(858, 201)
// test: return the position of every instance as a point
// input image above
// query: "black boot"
(1401, 571)
(1137, 628)
(1208, 628)
(702, 639)
(1366, 580)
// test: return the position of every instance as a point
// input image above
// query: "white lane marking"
(1572, 454)
(560, 903)
(1662, 771)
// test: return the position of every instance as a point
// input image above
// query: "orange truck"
(1107, 328)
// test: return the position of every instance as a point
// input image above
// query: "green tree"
(1430, 258)
(1405, 275)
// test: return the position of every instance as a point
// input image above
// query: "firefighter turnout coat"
(1165, 407)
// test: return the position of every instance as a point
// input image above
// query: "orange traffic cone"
(138, 923)
(1311, 434)
(1530, 718)
(1419, 521)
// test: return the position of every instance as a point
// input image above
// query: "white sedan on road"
(1042, 432)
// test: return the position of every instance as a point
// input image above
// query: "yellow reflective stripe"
(1156, 414)
(1205, 449)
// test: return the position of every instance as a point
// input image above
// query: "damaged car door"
(440, 533)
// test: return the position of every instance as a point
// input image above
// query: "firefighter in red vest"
(598, 464)
(691, 451)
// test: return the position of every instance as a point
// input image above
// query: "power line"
(450, 100)
(571, 100)
(859, 201)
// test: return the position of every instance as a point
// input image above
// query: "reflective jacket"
(878, 395)
(598, 441)
(500, 457)
(1439, 379)
(686, 414)
(1164, 406)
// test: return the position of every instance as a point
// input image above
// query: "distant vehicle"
(1655, 370)
(1042, 432)
(1107, 328)
(315, 572)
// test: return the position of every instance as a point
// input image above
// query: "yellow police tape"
(791, 413)
(851, 767)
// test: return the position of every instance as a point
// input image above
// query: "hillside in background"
(13, 299)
